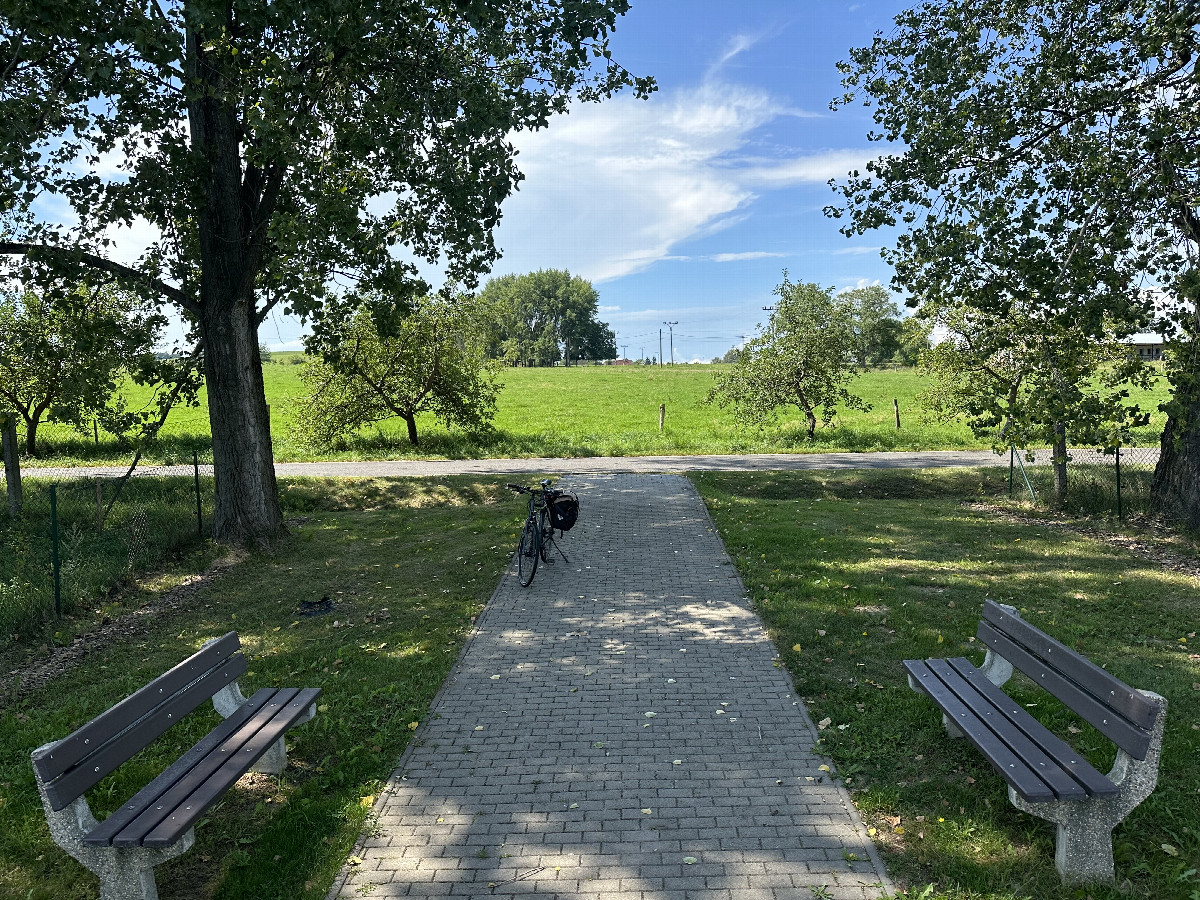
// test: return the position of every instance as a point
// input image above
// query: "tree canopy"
(547, 316)
(62, 356)
(274, 149)
(804, 357)
(1044, 166)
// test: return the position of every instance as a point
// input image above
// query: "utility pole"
(671, 328)
(660, 362)
(623, 346)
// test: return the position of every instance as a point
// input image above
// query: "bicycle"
(548, 509)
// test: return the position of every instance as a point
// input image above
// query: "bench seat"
(1033, 760)
(161, 812)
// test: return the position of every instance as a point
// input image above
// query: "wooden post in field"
(896, 406)
(662, 415)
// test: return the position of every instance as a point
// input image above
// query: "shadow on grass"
(853, 572)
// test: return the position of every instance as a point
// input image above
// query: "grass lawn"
(578, 411)
(409, 564)
(854, 572)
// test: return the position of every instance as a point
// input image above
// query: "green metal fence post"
(1012, 456)
(1120, 512)
(199, 513)
(54, 550)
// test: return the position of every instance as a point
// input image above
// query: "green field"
(579, 411)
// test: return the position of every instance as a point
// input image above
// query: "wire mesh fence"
(1106, 481)
(82, 532)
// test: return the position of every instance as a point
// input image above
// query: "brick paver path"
(618, 730)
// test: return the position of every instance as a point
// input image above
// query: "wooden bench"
(1046, 776)
(158, 822)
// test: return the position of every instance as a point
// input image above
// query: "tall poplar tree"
(274, 147)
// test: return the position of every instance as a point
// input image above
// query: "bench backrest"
(71, 766)
(1124, 715)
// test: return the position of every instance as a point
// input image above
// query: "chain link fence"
(1112, 481)
(83, 532)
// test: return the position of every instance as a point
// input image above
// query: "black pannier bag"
(564, 510)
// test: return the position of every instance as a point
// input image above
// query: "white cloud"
(612, 188)
(738, 257)
(856, 251)
(816, 168)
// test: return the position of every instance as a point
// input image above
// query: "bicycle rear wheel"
(545, 535)
(528, 552)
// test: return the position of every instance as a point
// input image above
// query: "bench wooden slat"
(1011, 767)
(1105, 686)
(111, 754)
(1129, 737)
(1064, 755)
(148, 796)
(57, 759)
(234, 765)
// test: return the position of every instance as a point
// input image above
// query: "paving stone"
(570, 789)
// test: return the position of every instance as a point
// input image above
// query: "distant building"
(1149, 347)
(621, 362)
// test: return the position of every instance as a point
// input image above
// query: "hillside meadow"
(575, 412)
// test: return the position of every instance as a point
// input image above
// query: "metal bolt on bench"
(157, 823)
(1046, 777)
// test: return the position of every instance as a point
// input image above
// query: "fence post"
(896, 407)
(1120, 512)
(199, 513)
(54, 550)
(1012, 456)
(662, 415)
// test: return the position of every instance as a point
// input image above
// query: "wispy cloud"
(738, 257)
(613, 188)
(856, 251)
(813, 168)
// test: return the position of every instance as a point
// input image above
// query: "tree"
(12, 462)
(1054, 146)
(731, 355)
(435, 363)
(274, 147)
(805, 357)
(913, 340)
(546, 316)
(876, 323)
(62, 354)
(1017, 383)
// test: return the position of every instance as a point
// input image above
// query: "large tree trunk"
(1060, 465)
(12, 466)
(246, 510)
(1175, 491)
(411, 421)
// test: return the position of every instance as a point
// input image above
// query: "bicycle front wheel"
(528, 552)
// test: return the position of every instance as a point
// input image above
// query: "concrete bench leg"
(226, 702)
(125, 873)
(1083, 850)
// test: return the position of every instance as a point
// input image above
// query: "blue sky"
(688, 206)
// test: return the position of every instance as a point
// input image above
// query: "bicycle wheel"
(528, 551)
(545, 534)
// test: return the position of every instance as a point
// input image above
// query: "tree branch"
(92, 260)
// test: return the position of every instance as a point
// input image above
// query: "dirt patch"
(45, 667)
